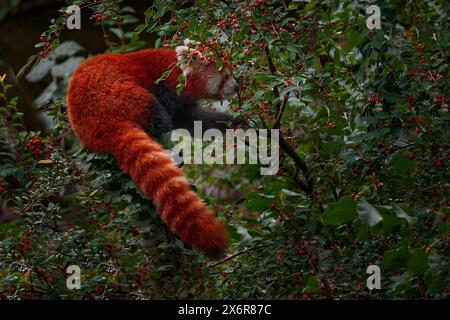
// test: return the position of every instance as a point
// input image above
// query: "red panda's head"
(203, 80)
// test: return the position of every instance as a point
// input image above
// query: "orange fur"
(109, 104)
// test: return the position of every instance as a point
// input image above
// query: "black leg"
(162, 121)
(210, 120)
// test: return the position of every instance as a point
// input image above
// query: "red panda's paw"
(205, 233)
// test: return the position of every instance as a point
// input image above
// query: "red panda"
(111, 100)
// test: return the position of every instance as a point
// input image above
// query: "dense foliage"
(364, 174)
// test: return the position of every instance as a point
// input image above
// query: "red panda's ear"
(183, 55)
(189, 57)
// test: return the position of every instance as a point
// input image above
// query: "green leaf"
(390, 223)
(340, 212)
(361, 232)
(402, 165)
(330, 147)
(368, 214)
(25, 67)
(396, 258)
(402, 214)
(418, 262)
(312, 285)
(158, 43)
(258, 202)
(354, 39)
(432, 282)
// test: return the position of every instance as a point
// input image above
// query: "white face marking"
(182, 52)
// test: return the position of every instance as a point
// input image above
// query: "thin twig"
(234, 255)
(277, 123)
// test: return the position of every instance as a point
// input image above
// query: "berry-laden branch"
(308, 184)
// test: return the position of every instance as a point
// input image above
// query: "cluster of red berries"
(335, 246)
(281, 258)
(231, 23)
(210, 52)
(255, 4)
(360, 285)
(141, 275)
(431, 76)
(25, 245)
(46, 278)
(258, 3)
(38, 147)
(436, 163)
(98, 17)
(287, 135)
(11, 289)
(262, 108)
(410, 102)
(440, 99)
(98, 206)
(134, 231)
(47, 46)
(94, 208)
(378, 107)
(100, 290)
(305, 247)
(109, 248)
(288, 138)
(377, 184)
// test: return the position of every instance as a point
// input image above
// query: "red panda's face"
(221, 84)
(204, 81)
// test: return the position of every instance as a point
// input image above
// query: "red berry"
(134, 231)
(437, 163)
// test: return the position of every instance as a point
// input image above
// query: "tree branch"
(234, 255)
(307, 185)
